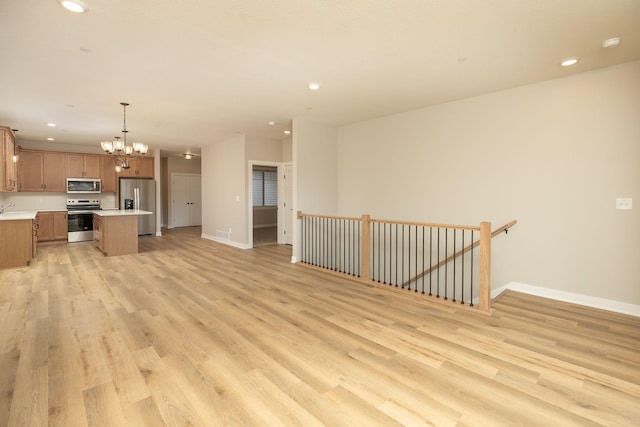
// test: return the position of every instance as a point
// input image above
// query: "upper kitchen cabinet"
(83, 166)
(8, 169)
(108, 174)
(141, 168)
(42, 171)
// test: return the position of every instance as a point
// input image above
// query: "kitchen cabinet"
(31, 171)
(17, 246)
(8, 169)
(52, 226)
(42, 171)
(83, 166)
(141, 168)
(108, 174)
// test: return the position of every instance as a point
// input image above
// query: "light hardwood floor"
(192, 332)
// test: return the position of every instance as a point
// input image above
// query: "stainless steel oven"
(80, 218)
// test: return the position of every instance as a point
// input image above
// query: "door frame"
(293, 224)
(170, 207)
(280, 216)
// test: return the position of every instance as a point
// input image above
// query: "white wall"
(287, 149)
(315, 167)
(43, 201)
(315, 172)
(263, 149)
(224, 201)
(59, 146)
(553, 155)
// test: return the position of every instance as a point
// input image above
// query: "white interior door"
(287, 227)
(181, 193)
(195, 192)
(186, 198)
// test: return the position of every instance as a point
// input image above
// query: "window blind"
(265, 186)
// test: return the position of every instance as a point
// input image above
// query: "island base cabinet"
(116, 235)
(97, 233)
(17, 243)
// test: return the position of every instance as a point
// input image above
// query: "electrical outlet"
(624, 203)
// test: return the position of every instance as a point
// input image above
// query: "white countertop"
(121, 212)
(18, 215)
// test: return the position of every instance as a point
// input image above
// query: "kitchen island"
(17, 238)
(115, 232)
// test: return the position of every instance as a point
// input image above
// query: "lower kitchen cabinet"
(17, 245)
(52, 226)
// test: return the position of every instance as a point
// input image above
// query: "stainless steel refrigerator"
(140, 193)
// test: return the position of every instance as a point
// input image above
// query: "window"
(265, 186)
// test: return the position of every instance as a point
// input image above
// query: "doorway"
(264, 195)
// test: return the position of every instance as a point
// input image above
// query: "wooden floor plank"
(192, 332)
(103, 406)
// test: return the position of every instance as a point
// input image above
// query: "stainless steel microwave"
(83, 185)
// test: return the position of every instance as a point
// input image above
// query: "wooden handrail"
(300, 215)
(428, 224)
(450, 258)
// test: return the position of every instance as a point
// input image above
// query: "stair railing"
(438, 260)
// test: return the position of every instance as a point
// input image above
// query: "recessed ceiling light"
(612, 42)
(188, 156)
(287, 132)
(51, 125)
(51, 139)
(271, 123)
(314, 86)
(74, 6)
(569, 61)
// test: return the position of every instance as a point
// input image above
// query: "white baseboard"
(226, 241)
(589, 301)
(294, 259)
(158, 233)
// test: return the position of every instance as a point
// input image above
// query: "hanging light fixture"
(120, 150)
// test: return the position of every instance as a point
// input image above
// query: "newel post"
(365, 249)
(485, 266)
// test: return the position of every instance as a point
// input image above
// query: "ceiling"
(199, 71)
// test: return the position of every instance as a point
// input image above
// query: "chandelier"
(120, 150)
